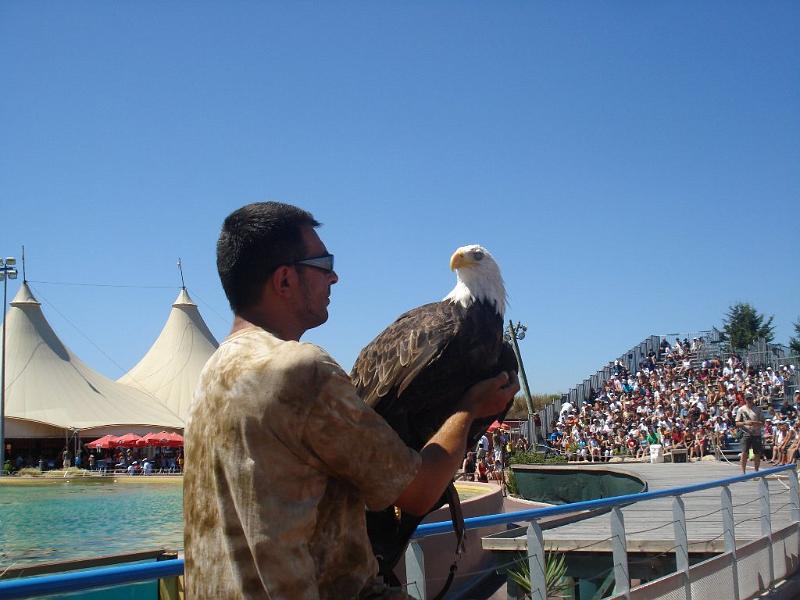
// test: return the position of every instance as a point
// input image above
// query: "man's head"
(255, 240)
(270, 246)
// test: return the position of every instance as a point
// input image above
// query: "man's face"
(315, 284)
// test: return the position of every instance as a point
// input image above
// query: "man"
(566, 408)
(482, 447)
(282, 456)
(749, 419)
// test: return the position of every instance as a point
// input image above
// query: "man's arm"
(442, 455)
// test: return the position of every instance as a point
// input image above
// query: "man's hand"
(491, 396)
(444, 452)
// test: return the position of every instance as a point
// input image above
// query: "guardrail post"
(415, 571)
(681, 543)
(622, 579)
(794, 495)
(536, 561)
(729, 530)
(766, 524)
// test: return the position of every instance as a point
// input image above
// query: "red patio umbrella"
(105, 442)
(128, 440)
(172, 440)
(498, 425)
(150, 439)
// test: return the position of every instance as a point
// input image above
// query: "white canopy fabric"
(171, 368)
(46, 383)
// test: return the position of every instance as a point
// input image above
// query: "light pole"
(8, 271)
(512, 334)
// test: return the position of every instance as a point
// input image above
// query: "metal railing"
(32, 587)
(415, 565)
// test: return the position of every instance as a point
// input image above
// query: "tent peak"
(183, 299)
(24, 296)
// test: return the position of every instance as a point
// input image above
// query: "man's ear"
(284, 280)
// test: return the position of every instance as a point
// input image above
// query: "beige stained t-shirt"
(281, 458)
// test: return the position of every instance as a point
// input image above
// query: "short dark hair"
(255, 240)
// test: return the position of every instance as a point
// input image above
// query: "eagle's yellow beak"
(459, 259)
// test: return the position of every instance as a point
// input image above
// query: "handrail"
(562, 509)
(28, 587)
(107, 576)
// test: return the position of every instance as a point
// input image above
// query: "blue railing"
(29, 587)
(573, 507)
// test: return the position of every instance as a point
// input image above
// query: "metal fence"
(737, 573)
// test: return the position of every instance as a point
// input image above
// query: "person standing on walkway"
(749, 420)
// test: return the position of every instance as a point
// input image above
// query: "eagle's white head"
(478, 278)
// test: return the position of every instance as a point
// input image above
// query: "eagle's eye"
(477, 255)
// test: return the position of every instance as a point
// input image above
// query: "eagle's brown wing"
(394, 359)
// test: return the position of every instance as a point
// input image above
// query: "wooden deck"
(648, 525)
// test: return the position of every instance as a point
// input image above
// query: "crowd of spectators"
(679, 402)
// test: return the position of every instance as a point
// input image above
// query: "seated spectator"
(700, 447)
(582, 451)
(483, 470)
(778, 438)
(643, 451)
(787, 410)
(631, 445)
(469, 465)
(678, 440)
(794, 444)
(595, 450)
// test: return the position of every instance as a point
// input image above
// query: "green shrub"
(536, 458)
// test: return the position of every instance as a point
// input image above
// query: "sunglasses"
(323, 262)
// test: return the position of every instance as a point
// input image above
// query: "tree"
(743, 326)
(794, 342)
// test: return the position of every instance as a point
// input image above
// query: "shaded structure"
(51, 393)
(170, 370)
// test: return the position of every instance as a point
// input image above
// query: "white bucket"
(656, 453)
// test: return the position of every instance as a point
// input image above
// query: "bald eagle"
(416, 371)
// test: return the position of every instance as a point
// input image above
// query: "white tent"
(49, 389)
(171, 368)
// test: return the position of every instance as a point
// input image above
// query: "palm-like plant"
(555, 571)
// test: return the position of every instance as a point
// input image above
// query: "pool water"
(56, 521)
(85, 518)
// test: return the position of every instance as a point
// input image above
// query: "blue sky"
(633, 166)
